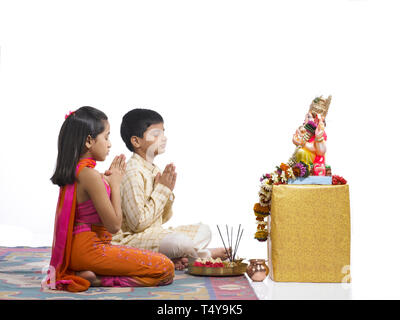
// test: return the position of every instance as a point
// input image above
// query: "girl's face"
(100, 146)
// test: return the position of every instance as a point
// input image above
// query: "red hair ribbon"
(67, 115)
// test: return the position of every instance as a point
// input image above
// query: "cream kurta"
(146, 207)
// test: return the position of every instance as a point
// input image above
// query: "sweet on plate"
(215, 263)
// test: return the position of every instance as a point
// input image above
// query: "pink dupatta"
(59, 276)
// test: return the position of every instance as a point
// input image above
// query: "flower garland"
(280, 176)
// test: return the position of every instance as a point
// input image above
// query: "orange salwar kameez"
(81, 243)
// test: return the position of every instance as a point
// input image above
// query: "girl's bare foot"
(180, 263)
(219, 253)
(90, 276)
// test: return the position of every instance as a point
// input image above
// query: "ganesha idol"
(310, 138)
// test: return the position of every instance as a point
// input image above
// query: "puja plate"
(218, 272)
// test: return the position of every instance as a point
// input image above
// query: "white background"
(233, 80)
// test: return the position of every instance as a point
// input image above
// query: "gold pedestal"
(309, 233)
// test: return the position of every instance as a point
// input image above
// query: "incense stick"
(236, 244)
(232, 242)
(223, 241)
(230, 251)
(227, 233)
(240, 238)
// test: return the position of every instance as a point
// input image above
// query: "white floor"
(271, 290)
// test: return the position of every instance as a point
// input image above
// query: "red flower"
(217, 265)
(338, 180)
(70, 113)
(208, 264)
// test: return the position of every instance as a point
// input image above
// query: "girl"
(89, 211)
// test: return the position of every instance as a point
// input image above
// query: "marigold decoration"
(261, 235)
(261, 212)
(284, 167)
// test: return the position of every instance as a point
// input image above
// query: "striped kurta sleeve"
(139, 210)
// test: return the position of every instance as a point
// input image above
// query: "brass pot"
(257, 270)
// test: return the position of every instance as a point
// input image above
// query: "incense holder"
(235, 268)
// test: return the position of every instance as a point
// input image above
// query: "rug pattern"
(22, 270)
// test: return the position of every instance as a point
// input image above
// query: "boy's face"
(153, 142)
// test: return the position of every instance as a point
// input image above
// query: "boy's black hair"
(136, 122)
(71, 141)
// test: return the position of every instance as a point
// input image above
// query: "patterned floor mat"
(23, 268)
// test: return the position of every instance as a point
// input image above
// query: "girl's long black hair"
(84, 122)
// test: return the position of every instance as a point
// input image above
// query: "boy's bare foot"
(219, 253)
(90, 276)
(180, 263)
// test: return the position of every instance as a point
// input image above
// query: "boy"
(147, 197)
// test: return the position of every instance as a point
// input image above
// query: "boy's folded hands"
(118, 166)
(117, 169)
(168, 177)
